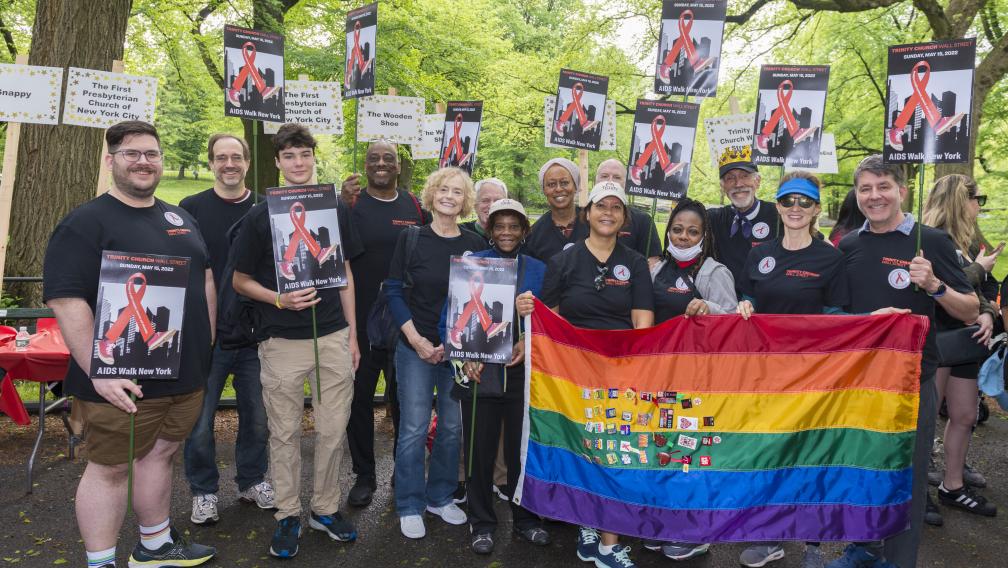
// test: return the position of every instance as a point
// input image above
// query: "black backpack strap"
(419, 210)
(412, 236)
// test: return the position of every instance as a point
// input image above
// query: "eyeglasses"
(153, 156)
(222, 159)
(980, 199)
(563, 184)
(600, 280)
(802, 201)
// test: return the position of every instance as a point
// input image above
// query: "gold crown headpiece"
(732, 155)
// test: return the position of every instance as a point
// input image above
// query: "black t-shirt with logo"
(546, 240)
(73, 262)
(378, 224)
(429, 269)
(674, 289)
(215, 216)
(732, 251)
(801, 281)
(253, 250)
(877, 268)
(570, 284)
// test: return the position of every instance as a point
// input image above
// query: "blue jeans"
(251, 453)
(417, 381)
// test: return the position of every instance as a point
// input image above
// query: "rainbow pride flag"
(717, 429)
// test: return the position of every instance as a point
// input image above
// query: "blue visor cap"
(801, 186)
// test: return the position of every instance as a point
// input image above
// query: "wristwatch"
(942, 288)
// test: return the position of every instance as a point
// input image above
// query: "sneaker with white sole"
(587, 544)
(204, 509)
(501, 492)
(618, 558)
(761, 555)
(261, 494)
(412, 526)
(449, 513)
(966, 499)
(678, 550)
(178, 552)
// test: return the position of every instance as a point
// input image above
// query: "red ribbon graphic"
(920, 98)
(454, 147)
(301, 233)
(356, 55)
(655, 145)
(575, 106)
(134, 310)
(783, 110)
(249, 54)
(683, 42)
(475, 304)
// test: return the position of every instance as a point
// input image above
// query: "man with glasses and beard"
(130, 219)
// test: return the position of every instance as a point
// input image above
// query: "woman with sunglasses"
(599, 283)
(795, 273)
(953, 206)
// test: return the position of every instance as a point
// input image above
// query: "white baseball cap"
(607, 189)
(507, 204)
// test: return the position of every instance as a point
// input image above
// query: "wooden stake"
(585, 182)
(104, 173)
(7, 185)
(734, 106)
(440, 108)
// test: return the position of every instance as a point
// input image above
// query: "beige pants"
(286, 364)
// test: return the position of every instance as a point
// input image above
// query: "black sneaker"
(932, 515)
(966, 499)
(334, 525)
(362, 492)
(483, 543)
(460, 493)
(175, 553)
(285, 538)
(536, 535)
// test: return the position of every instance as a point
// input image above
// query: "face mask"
(683, 255)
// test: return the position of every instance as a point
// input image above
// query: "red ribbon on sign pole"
(301, 233)
(454, 147)
(134, 310)
(575, 107)
(475, 304)
(356, 55)
(657, 144)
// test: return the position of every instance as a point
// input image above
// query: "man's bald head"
(381, 164)
(611, 170)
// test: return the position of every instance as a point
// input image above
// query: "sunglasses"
(800, 200)
(600, 280)
(980, 199)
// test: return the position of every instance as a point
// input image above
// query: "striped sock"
(153, 538)
(101, 558)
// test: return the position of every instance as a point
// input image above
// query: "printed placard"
(100, 99)
(608, 124)
(431, 129)
(460, 134)
(689, 47)
(789, 115)
(30, 94)
(254, 74)
(481, 294)
(307, 245)
(579, 115)
(361, 48)
(315, 104)
(139, 315)
(929, 102)
(827, 157)
(396, 119)
(729, 131)
(661, 149)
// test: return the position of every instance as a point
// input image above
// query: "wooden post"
(103, 172)
(733, 105)
(586, 183)
(392, 91)
(440, 108)
(314, 176)
(7, 185)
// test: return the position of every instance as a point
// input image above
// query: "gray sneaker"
(684, 550)
(935, 475)
(261, 494)
(813, 558)
(204, 509)
(761, 555)
(973, 477)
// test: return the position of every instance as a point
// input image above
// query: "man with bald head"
(380, 211)
(641, 227)
(487, 191)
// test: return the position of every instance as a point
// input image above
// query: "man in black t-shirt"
(487, 191)
(640, 234)
(885, 267)
(129, 219)
(746, 221)
(217, 210)
(379, 212)
(287, 357)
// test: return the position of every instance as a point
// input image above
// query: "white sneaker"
(204, 509)
(450, 514)
(261, 494)
(412, 526)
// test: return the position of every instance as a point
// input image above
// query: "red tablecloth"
(45, 360)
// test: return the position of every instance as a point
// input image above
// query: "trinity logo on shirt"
(800, 273)
(403, 222)
(681, 284)
(761, 230)
(899, 278)
(173, 218)
(767, 265)
(621, 272)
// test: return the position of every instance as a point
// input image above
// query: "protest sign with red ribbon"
(481, 314)
(661, 148)
(789, 115)
(929, 101)
(689, 47)
(461, 134)
(361, 48)
(254, 74)
(581, 101)
(307, 245)
(138, 316)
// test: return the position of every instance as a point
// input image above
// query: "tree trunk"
(58, 164)
(181, 172)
